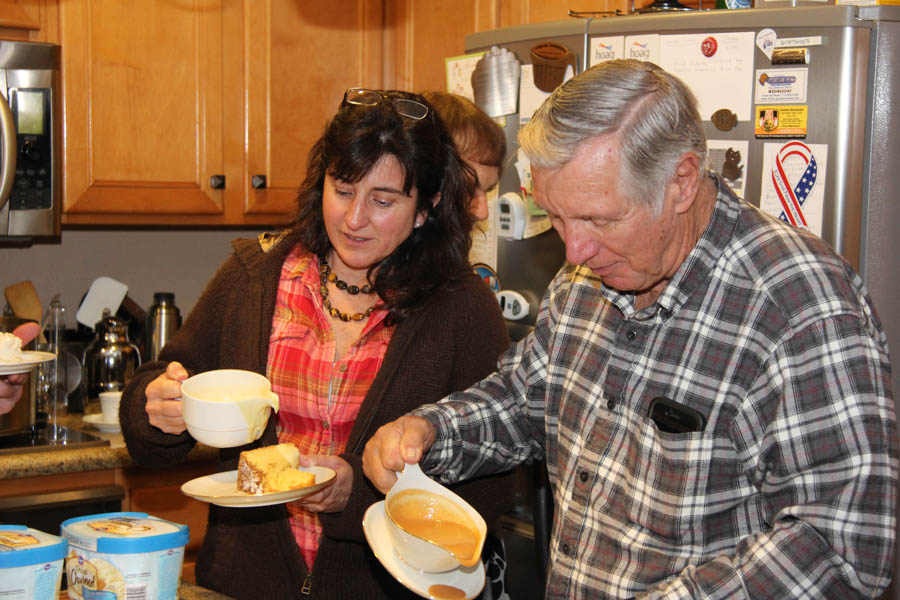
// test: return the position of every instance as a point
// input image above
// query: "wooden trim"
(107, 197)
(59, 482)
(14, 16)
(271, 201)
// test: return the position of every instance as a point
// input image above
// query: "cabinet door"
(422, 33)
(29, 20)
(300, 58)
(523, 12)
(143, 92)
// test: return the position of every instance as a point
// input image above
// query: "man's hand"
(11, 386)
(393, 445)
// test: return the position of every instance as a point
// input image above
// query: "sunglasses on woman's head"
(405, 107)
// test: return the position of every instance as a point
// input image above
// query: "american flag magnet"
(793, 183)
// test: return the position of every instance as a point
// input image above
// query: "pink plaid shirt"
(319, 396)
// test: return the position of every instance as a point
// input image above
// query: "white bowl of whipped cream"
(10, 348)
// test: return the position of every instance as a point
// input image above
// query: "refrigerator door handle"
(8, 150)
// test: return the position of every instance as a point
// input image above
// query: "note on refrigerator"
(643, 47)
(530, 97)
(459, 74)
(606, 48)
(718, 67)
(484, 235)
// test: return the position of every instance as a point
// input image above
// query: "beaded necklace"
(326, 276)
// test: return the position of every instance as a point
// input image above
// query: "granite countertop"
(32, 462)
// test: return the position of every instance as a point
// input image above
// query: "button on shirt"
(789, 489)
(319, 397)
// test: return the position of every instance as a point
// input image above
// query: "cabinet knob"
(217, 182)
(258, 182)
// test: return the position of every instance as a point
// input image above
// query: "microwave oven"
(30, 174)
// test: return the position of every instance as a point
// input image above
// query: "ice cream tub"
(114, 556)
(31, 563)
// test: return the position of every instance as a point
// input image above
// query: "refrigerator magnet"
(550, 64)
(765, 41)
(793, 183)
(495, 82)
(781, 85)
(729, 159)
(489, 276)
(781, 121)
(724, 119)
(790, 56)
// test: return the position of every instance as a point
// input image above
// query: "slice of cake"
(271, 469)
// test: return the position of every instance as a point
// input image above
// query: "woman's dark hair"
(478, 138)
(435, 255)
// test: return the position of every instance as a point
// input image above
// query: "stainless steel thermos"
(163, 320)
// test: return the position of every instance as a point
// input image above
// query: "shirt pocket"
(665, 481)
(291, 332)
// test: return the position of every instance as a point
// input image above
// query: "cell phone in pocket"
(672, 417)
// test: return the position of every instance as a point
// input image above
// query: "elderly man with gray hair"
(709, 386)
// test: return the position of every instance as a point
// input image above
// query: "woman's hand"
(11, 386)
(164, 399)
(334, 497)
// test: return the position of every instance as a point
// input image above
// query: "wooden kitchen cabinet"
(157, 492)
(165, 100)
(29, 21)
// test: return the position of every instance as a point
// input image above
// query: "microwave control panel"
(33, 184)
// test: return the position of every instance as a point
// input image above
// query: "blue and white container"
(31, 563)
(114, 556)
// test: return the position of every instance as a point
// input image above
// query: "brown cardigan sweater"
(450, 344)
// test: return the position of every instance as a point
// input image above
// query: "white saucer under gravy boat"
(419, 552)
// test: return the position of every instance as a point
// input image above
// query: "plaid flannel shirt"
(788, 492)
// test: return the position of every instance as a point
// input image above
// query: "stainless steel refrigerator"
(825, 79)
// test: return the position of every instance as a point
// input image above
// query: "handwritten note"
(718, 67)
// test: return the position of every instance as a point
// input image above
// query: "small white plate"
(221, 489)
(468, 579)
(97, 421)
(30, 359)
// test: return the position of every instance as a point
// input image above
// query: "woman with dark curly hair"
(363, 308)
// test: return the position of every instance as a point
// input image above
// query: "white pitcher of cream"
(227, 407)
